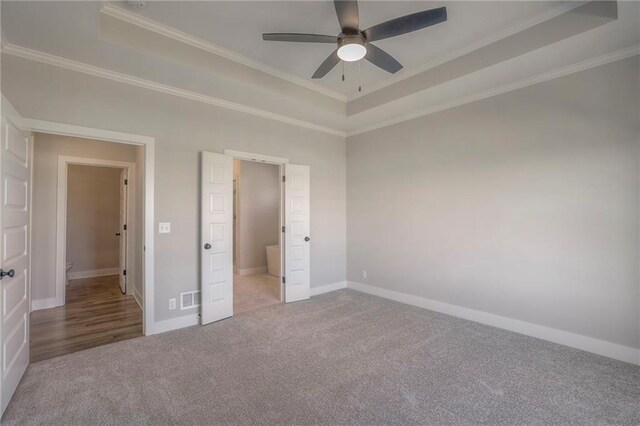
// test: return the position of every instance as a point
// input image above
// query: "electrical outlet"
(364, 274)
(164, 228)
(172, 304)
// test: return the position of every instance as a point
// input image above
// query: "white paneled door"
(297, 237)
(122, 232)
(14, 252)
(216, 245)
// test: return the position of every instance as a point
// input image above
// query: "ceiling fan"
(354, 44)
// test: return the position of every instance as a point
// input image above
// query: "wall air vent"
(189, 299)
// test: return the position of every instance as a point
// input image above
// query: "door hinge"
(284, 281)
(284, 178)
(125, 227)
(124, 272)
(126, 181)
(283, 229)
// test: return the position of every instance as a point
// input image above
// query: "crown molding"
(167, 31)
(58, 61)
(509, 31)
(61, 62)
(546, 76)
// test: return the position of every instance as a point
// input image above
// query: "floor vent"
(189, 299)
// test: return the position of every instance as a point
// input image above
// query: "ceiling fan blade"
(406, 24)
(300, 38)
(327, 65)
(348, 16)
(382, 59)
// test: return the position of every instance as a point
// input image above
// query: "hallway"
(95, 313)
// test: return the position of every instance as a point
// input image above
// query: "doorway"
(98, 261)
(217, 231)
(257, 200)
(17, 223)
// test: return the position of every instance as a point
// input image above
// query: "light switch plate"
(164, 228)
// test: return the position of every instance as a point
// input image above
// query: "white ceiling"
(238, 25)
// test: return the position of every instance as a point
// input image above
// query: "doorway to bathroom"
(217, 234)
(257, 229)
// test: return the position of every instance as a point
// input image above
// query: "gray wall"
(183, 129)
(93, 217)
(524, 205)
(46, 150)
(258, 213)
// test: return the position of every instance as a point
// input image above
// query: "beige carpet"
(251, 292)
(340, 358)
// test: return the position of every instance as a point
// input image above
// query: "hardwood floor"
(95, 313)
(251, 292)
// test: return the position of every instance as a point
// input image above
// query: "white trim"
(30, 189)
(176, 323)
(149, 185)
(61, 214)
(175, 34)
(135, 81)
(540, 78)
(315, 291)
(39, 304)
(585, 343)
(252, 271)
(261, 158)
(58, 61)
(85, 132)
(93, 273)
(407, 73)
(138, 297)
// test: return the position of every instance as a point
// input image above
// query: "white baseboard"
(327, 288)
(174, 324)
(252, 271)
(137, 296)
(585, 343)
(93, 273)
(37, 305)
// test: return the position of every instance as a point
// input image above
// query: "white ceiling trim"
(69, 64)
(407, 73)
(46, 58)
(550, 75)
(151, 25)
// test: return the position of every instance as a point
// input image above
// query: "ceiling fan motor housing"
(352, 47)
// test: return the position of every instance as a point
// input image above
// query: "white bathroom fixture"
(273, 260)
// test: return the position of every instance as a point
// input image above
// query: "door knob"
(117, 234)
(307, 239)
(10, 273)
(207, 246)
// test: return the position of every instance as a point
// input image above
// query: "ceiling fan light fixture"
(352, 48)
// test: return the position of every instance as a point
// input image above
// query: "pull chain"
(359, 78)
(342, 70)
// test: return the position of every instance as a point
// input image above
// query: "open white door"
(298, 250)
(217, 237)
(122, 232)
(14, 252)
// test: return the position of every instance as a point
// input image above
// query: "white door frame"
(148, 143)
(280, 162)
(61, 215)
